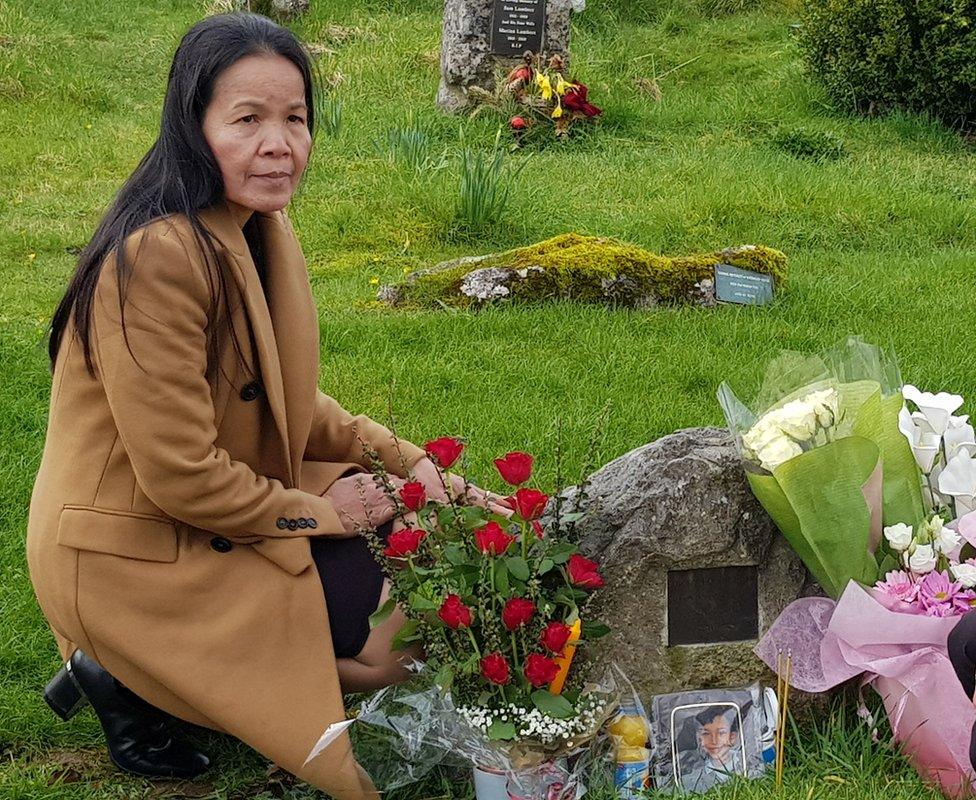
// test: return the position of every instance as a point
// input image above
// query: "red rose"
(537, 527)
(494, 667)
(517, 123)
(413, 495)
(402, 543)
(492, 539)
(515, 468)
(575, 100)
(539, 670)
(582, 572)
(517, 612)
(528, 503)
(444, 451)
(454, 613)
(555, 635)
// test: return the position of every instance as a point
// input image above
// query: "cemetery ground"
(881, 241)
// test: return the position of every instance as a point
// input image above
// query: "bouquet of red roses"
(499, 604)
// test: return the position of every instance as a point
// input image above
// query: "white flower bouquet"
(823, 453)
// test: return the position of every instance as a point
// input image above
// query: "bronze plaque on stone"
(711, 606)
(517, 26)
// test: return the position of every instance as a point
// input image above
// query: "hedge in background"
(881, 55)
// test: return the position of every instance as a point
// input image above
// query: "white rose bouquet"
(823, 453)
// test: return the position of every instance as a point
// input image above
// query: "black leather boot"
(139, 736)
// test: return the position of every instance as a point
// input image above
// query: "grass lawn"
(881, 242)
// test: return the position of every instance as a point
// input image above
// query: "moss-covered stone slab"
(591, 269)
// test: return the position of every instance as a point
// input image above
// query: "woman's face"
(256, 126)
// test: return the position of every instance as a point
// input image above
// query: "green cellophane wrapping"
(816, 500)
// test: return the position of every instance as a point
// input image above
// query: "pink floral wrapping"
(902, 656)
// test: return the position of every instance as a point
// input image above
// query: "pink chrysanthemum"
(941, 597)
(900, 586)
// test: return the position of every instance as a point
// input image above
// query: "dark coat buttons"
(312, 523)
(251, 391)
(282, 523)
(302, 522)
(221, 545)
(293, 524)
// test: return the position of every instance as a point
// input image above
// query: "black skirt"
(352, 581)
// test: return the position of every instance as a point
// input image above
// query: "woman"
(193, 529)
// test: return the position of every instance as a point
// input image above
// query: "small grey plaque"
(734, 285)
(517, 26)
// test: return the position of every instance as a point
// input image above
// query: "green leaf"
(554, 705)
(421, 603)
(453, 554)
(444, 678)
(501, 576)
(501, 730)
(381, 614)
(408, 633)
(545, 565)
(518, 567)
(561, 551)
(594, 630)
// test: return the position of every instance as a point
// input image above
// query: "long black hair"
(179, 174)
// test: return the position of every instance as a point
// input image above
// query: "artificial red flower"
(555, 635)
(517, 612)
(575, 100)
(582, 572)
(400, 544)
(454, 613)
(494, 667)
(539, 670)
(529, 503)
(517, 123)
(444, 451)
(515, 468)
(492, 539)
(413, 495)
(537, 527)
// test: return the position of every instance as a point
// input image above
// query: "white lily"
(959, 433)
(958, 479)
(937, 408)
(925, 444)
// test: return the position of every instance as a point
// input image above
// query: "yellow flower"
(406, 270)
(88, 126)
(31, 256)
(373, 281)
(563, 85)
(544, 86)
(557, 112)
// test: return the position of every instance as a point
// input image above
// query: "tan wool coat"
(169, 521)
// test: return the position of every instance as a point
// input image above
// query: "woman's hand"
(434, 480)
(361, 502)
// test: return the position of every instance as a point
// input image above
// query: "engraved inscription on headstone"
(707, 606)
(517, 26)
(734, 285)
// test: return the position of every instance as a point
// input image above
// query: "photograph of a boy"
(717, 754)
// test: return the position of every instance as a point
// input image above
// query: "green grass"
(882, 242)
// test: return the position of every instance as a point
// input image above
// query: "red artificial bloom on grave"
(454, 613)
(515, 468)
(555, 635)
(528, 503)
(400, 544)
(582, 572)
(575, 100)
(494, 667)
(517, 123)
(539, 670)
(492, 539)
(444, 451)
(537, 527)
(517, 612)
(413, 495)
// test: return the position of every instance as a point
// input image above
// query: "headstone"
(695, 569)
(482, 36)
(742, 286)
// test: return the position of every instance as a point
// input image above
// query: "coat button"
(312, 523)
(250, 391)
(302, 522)
(221, 545)
(282, 523)
(293, 524)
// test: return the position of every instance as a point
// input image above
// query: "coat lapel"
(285, 324)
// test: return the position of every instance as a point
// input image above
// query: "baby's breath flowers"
(532, 724)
